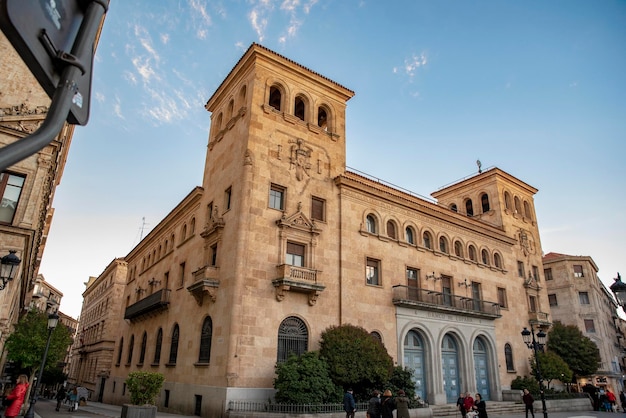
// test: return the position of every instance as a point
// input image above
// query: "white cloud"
(100, 97)
(165, 38)
(199, 7)
(144, 68)
(117, 108)
(130, 77)
(259, 24)
(290, 5)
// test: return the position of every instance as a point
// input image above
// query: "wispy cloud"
(289, 15)
(412, 64)
(117, 108)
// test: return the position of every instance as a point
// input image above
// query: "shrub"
(305, 379)
(525, 382)
(144, 387)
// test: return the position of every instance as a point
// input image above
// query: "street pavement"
(45, 408)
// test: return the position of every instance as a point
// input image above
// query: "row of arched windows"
(516, 205)
(459, 248)
(301, 107)
(204, 355)
(224, 116)
(469, 205)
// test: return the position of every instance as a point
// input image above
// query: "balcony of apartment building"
(539, 318)
(298, 279)
(150, 305)
(431, 300)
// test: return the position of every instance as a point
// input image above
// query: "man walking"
(528, 400)
(348, 404)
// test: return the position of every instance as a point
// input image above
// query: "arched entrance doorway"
(481, 368)
(450, 368)
(414, 358)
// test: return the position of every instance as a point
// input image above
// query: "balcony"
(430, 300)
(151, 304)
(206, 282)
(539, 318)
(297, 279)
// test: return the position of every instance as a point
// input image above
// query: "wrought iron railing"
(158, 300)
(251, 406)
(417, 296)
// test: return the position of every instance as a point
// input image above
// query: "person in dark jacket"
(460, 405)
(348, 404)
(529, 401)
(387, 405)
(373, 408)
(61, 395)
(480, 406)
(402, 403)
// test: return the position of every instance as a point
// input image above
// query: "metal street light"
(619, 290)
(537, 344)
(8, 268)
(53, 320)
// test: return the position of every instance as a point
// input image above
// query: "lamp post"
(53, 319)
(619, 290)
(537, 345)
(8, 268)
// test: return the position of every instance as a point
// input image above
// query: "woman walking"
(480, 406)
(16, 397)
(402, 404)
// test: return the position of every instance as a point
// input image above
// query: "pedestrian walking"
(61, 394)
(402, 405)
(480, 406)
(387, 404)
(373, 408)
(460, 405)
(529, 401)
(348, 404)
(16, 397)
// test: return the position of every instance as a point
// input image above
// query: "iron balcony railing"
(416, 297)
(156, 301)
(296, 409)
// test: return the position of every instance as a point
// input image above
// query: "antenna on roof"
(142, 228)
(479, 164)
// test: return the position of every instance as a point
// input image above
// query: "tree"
(144, 387)
(552, 367)
(27, 342)
(305, 379)
(355, 359)
(578, 351)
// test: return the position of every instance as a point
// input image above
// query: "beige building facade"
(282, 242)
(578, 297)
(92, 351)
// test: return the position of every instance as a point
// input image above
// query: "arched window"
(527, 210)
(157, 347)
(391, 230)
(142, 353)
(376, 335)
(131, 344)
(370, 224)
(242, 95)
(275, 98)
(218, 123)
(192, 226)
(469, 207)
(231, 106)
(293, 338)
(518, 205)
(119, 353)
(184, 233)
(453, 208)
(458, 249)
(507, 200)
(174, 345)
(443, 245)
(428, 241)
(472, 253)
(484, 201)
(299, 108)
(205, 341)
(410, 237)
(485, 257)
(322, 118)
(508, 356)
(497, 261)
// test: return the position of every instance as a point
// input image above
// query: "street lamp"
(537, 345)
(619, 290)
(53, 319)
(8, 268)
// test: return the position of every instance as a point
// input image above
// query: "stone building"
(578, 297)
(92, 351)
(282, 242)
(45, 297)
(72, 326)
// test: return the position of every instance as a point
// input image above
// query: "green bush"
(144, 387)
(526, 382)
(305, 379)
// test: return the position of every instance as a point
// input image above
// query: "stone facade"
(578, 297)
(92, 351)
(281, 242)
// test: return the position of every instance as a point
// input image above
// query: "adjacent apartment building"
(283, 241)
(578, 297)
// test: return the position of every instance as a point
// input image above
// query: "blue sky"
(536, 88)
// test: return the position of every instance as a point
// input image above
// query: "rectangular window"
(277, 197)
(214, 255)
(502, 297)
(318, 209)
(532, 304)
(228, 194)
(372, 272)
(552, 300)
(578, 271)
(412, 275)
(589, 325)
(10, 189)
(209, 209)
(548, 274)
(295, 254)
(520, 269)
(583, 298)
(182, 275)
(536, 273)
(446, 289)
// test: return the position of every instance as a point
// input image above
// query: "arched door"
(450, 368)
(414, 358)
(481, 368)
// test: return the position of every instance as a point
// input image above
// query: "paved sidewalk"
(45, 408)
